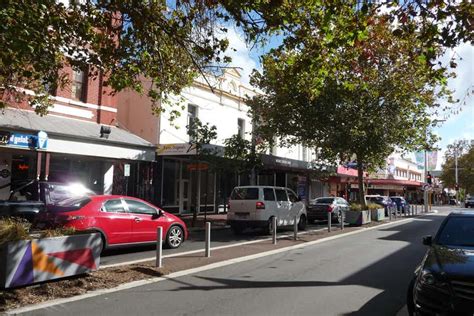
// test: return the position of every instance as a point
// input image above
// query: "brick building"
(78, 141)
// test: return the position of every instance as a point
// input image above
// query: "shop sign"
(39, 141)
(176, 149)
(126, 170)
(197, 166)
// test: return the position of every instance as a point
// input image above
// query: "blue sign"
(39, 141)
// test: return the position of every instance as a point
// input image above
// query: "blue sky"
(459, 124)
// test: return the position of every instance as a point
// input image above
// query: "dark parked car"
(469, 202)
(444, 281)
(318, 208)
(30, 198)
(384, 201)
(402, 204)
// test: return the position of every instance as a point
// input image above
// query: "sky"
(458, 125)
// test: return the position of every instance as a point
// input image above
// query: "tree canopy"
(358, 91)
(465, 154)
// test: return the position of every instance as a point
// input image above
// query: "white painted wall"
(222, 109)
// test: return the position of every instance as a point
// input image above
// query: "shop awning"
(77, 136)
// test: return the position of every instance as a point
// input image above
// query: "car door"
(295, 206)
(283, 207)
(115, 222)
(145, 220)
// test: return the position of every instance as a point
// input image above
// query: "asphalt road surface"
(361, 274)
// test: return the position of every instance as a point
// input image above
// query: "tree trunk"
(360, 178)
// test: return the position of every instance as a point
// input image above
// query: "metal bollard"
(389, 214)
(295, 228)
(329, 221)
(274, 233)
(208, 239)
(159, 247)
(342, 220)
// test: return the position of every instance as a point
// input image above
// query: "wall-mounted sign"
(39, 141)
(197, 166)
(176, 149)
(126, 170)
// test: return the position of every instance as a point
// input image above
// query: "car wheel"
(302, 223)
(175, 237)
(410, 300)
(269, 227)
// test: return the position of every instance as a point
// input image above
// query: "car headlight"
(427, 278)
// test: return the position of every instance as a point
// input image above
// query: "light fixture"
(105, 131)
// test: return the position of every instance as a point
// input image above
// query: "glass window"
(292, 196)
(268, 194)
(170, 193)
(281, 195)
(192, 115)
(138, 207)
(244, 194)
(325, 200)
(78, 85)
(241, 127)
(458, 231)
(114, 206)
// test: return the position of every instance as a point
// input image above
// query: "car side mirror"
(428, 240)
(158, 214)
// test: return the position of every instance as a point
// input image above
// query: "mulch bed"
(115, 276)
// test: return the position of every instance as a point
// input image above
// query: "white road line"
(211, 266)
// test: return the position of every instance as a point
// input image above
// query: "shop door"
(184, 194)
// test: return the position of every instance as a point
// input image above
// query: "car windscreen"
(57, 193)
(457, 231)
(70, 204)
(244, 194)
(325, 200)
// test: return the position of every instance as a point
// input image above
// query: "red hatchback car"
(121, 220)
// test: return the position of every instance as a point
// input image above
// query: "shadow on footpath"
(393, 282)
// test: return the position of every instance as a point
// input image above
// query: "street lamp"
(425, 191)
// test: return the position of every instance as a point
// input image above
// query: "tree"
(168, 43)
(465, 170)
(355, 92)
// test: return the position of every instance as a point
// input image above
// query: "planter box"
(378, 214)
(357, 217)
(30, 261)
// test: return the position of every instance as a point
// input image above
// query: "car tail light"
(330, 208)
(260, 205)
(68, 218)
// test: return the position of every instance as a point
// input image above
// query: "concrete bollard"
(159, 248)
(208, 239)
(329, 221)
(295, 228)
(274, 233)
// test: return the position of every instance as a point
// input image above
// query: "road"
(362, 274)
(220, 237)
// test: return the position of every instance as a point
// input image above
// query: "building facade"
(79, 140)
(184, 184)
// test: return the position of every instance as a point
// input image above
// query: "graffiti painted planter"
(357, 217)
(30, 261)
(378, 214)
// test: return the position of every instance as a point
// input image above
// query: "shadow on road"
(393, 282)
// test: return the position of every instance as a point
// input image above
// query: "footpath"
(121, 277)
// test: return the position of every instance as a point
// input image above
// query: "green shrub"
(356, 207)
(373, 206)
(57, 232)
(13, 229)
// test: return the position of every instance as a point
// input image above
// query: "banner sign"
(431, 160)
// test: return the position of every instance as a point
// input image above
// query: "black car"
(469, 202)
(444, 281)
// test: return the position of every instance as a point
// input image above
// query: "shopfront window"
(72, 169)
(266, 178)
(170, 182)
(207, 191)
